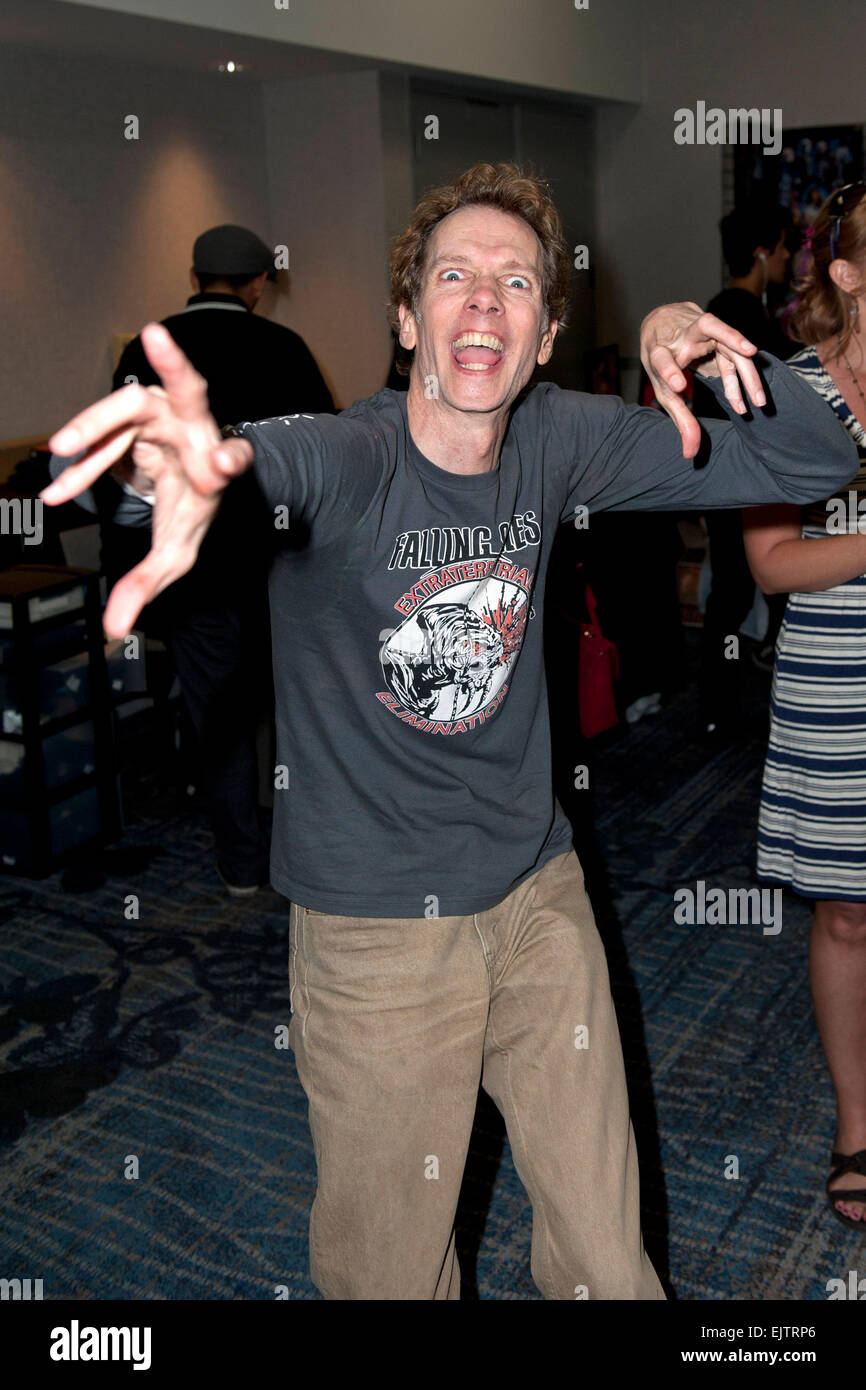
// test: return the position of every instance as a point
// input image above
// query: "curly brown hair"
(823, 310)
(502, 186)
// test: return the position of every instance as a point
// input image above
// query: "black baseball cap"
(230, 250)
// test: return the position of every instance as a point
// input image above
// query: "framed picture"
(813, 161)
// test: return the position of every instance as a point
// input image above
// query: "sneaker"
(240, 890)
(644, 704)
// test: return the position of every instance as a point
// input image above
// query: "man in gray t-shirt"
(440, 933)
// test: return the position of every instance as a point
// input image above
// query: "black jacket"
(254, 369)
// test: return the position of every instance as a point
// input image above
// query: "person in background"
(215, 620)
(755, 251)
(812, 824)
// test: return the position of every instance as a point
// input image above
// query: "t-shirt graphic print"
(446, 666)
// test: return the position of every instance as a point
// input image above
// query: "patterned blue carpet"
(152, 1039)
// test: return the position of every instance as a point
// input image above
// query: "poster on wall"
(812, 163)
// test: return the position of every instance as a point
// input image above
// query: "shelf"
(58, 782)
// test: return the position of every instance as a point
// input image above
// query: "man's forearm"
(798, 441)
(795, 451)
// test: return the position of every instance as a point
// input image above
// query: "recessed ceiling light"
(231, 66)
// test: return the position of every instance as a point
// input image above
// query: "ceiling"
(87, 31)
(51, 25)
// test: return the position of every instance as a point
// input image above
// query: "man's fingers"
(233, 457)
(737, 372)
(131, 405)
(668, 382)
(79, 476)
(184, 387)
(137, 588)
(211, 470)
(751, 379)
(731, 382)
(125, 602)
(711, 327)
(690, 430)
(662, 363)
(681, 334)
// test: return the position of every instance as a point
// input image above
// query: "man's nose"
(484, 296)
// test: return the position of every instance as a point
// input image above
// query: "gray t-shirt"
(412, 724)
(413, 757)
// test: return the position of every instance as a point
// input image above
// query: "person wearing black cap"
(215, 621)
(254, 367)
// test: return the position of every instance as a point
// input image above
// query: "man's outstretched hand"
(676, 335)
(176, 449)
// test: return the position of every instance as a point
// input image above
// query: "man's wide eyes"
(522, 282)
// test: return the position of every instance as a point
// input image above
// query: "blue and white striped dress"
(812, 824)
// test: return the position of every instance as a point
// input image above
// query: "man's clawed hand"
(676, 335)
(175, 447)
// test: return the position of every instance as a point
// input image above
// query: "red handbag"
(598, 669)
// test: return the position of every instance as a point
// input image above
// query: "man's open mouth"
(477, 352)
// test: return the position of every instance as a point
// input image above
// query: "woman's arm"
(783, 562)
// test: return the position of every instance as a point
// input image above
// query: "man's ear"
(546, 346)
(408, 335)
(846, 276)
(193, 280)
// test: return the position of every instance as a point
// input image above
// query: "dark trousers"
(215, 622)
(223, 662)
(731, 598)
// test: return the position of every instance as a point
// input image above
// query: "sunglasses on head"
(840, 205)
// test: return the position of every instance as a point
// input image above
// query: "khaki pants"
(394, 1023)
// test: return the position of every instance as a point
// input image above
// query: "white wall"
(548, 44)
(659, 203)
(96, 231)
(323, 142)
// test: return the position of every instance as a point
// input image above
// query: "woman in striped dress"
(812, 827)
